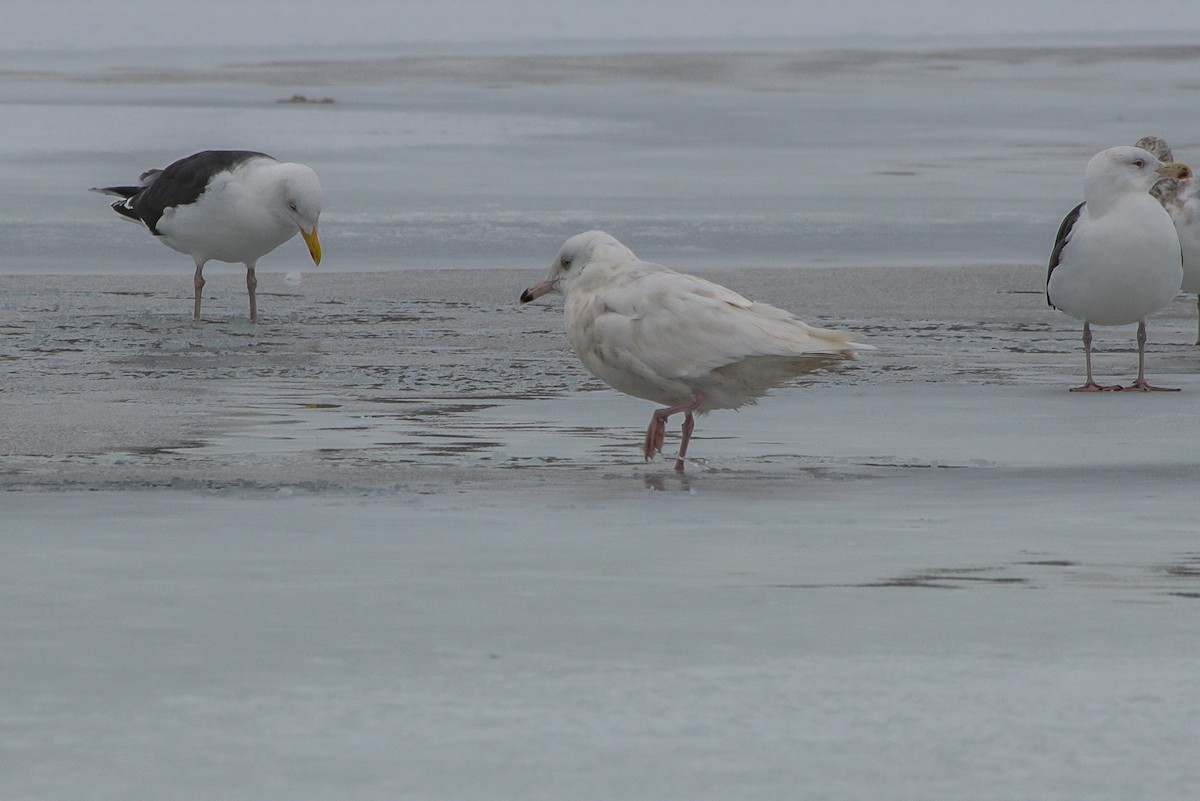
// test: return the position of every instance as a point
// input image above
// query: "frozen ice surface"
(393, 542)
(901, 639)
(796, 154)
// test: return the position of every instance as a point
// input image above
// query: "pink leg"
(251, 285)
(689, 422)
(1090, 385)
(656, 432)
(198, 283)
(1141, 383)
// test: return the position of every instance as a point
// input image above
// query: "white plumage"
(1185, 212)
(1117, 258)
(676, 339)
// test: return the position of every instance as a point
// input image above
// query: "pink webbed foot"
(656, 434)
(1141, 385)
(1092, 386)
(657, 431)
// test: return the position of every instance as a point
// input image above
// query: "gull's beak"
(537, 290)
(1174, 169)
(314, 244)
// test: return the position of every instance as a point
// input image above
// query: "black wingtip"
(118, 191)
(120, 208)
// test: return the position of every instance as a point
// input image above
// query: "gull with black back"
(1116, 259)
(226, 205)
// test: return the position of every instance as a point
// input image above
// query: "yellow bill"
(1173, 169)
(314, 244)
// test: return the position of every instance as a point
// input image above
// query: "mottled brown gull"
(1181, 199)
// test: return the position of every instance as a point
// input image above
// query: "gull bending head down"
(225, 205)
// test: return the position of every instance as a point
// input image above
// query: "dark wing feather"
(144, 180)
(1064, 236)
(118, 191)
(121, 207)
(181, 183)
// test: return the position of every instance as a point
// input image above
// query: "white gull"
(1117, 259)
(676, 339)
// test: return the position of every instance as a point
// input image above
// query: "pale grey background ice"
(75, 25)
(870, 133)
(393, 543)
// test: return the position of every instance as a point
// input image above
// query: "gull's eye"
(565, 263)
(292, 205)
(1139, 163)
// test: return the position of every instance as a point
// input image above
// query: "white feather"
(244, 213)
(664, 336)
(1121, 261)
(1184, 209)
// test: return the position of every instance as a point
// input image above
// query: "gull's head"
(1156, 146)
(581, 257)
(1128, 169)
(1166, 189)
(299, 198)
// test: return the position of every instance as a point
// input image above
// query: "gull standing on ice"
(675, 339)
(1117, 258)
(1181, 199)
(230, 205)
